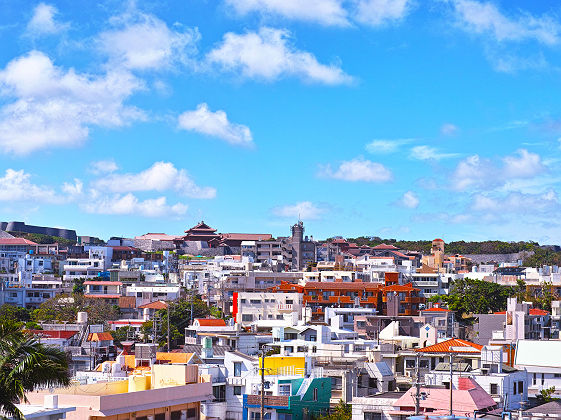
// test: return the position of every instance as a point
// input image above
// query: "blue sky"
(401, 119)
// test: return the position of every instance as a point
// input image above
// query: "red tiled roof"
(355, 285)
(124, 248)
(54, 333)
(16, 241)
(454, 345)
(103, 336)
(127, 322)
(102, 296)
(211, 322)
(385, 246)
(158, 304)
(436, 310)
(437, 240)
(536, 311)
(400, 288)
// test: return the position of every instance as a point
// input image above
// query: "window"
(255, 301)
(494, 389)
(520, 387)
(284, 389)
(315, 394)
(237, 368)
(410, 364)
(243, 300)
(543, 378)
(372, 416)
(191, 413)
(289, 301)
(247, 317)
(284, 416)
(424, 364)
(237, 390)
(160, 416)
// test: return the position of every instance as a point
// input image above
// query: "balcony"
(285, 307)
(270, 401)
(235, 381)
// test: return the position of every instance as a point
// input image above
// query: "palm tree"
(26, 364)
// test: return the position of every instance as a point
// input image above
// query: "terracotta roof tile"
(454, 345)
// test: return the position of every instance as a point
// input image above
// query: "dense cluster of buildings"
(305, 324)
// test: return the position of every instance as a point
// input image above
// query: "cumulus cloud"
(429, 153)
(215, 124)
(17, 186)
(43, 21)
(324, 12)
(476, 172)
(143, 42)
(358, 170)
(161, 176)
(448, 129)
(55, 107)
(103, 167)
(269, 55)
(305, 210)
(485, 18)
(409, 200)
(378, 12)
(382, 146)
(129, 204)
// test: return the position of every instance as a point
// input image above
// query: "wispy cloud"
(386, 146)
(305, 210)
(361, 170)
(429, 153)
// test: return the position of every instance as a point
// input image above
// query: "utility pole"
(451, 378)
(417, 386)
(262, 384)
(169, 304)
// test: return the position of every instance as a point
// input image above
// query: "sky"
(403, 119)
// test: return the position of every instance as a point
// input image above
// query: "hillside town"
(239, 326)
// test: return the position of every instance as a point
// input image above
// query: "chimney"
(51, 401)
(465, 384)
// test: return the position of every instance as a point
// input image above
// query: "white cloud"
(409, 200)
(43, 21)
(378, 12)
(73, 189)
(325, 12)
(268, 55)
(358, 170)
(448, 129)
(517, 203)
(161, 176)
(485, 18)
(522, 165)
(304, 210)
(216, 124)
(53, 107)
(144, 42)
(103, 166)
(429, 153)
(379, 146)
(17, 186)
(475, 172)
(129, 204)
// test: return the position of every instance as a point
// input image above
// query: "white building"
(251, 307)
(542, 362)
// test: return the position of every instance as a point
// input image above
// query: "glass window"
(315, 394)
(237, 368)
(237, 390)
(284, 389)
(372, 416)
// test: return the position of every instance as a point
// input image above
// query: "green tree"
(14, 313)
(180, 317)
(469, 296)
(122, 334)
(545, 296)
(78, 287)
(342, 411)
(26, 364)
(64, 308)
(546, 395)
